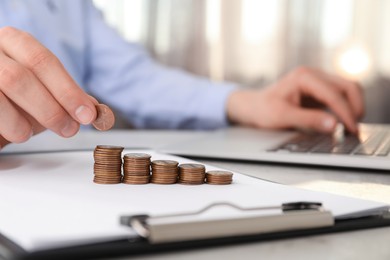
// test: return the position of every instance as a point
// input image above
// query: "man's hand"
(36, 92)
(282, 105)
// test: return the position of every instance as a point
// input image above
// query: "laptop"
(370, 149)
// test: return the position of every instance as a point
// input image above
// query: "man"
(54, 52)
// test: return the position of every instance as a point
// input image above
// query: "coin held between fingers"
(105, 118)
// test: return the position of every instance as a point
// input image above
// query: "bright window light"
(126, 16)
(259, 20)
(213, 20)
(354, 62)
(336, 21)
(132, 19)
(163, 28)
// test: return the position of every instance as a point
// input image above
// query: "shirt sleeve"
(148, 94)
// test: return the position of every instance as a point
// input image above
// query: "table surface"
(365, 184)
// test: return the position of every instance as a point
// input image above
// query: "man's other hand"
(283, 104)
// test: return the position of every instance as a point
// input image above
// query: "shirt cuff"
(214, 108)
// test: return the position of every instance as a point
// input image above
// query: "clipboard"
(303, 219)
(297, 219)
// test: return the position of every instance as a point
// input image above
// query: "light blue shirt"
(117, 72)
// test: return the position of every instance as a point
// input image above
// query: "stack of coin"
(219, 177)
(108, 164)
(191, 173)
(164, 172)
(136, 168)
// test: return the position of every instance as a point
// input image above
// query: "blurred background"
(254, 42)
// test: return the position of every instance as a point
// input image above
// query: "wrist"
(238, 106)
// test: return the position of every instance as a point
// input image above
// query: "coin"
(108, 164)
(128, 179)
(110, 147)
(191, 166)
(106, 181)
(137, 156)
(105, 118)
(164, 172)
(136, 168)
(219, 177)
(191, 173)
(164, 163)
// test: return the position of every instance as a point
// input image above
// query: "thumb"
(313, 119)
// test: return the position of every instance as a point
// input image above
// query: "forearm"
(152, 96)
(148, 94)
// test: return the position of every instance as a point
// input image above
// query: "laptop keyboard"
(373, 144)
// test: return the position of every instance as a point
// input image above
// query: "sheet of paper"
(49, 199)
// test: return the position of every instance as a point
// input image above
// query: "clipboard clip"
(249, 221)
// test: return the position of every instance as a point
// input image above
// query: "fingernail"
(84, 115)
(70, 129)
(328, 124)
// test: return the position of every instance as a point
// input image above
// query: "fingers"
(36, 92)
(280, 105)
(313, 119)
(16, 129)
(24, 49)
(352, 91)
(27, 92)
(35, 126)
(311, 84)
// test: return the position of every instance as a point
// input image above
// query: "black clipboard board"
(142, 245)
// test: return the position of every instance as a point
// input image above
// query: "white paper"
(49, 199)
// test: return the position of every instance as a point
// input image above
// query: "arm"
(152, 96)
(148, 94)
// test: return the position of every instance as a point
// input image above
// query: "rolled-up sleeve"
(148, 94)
